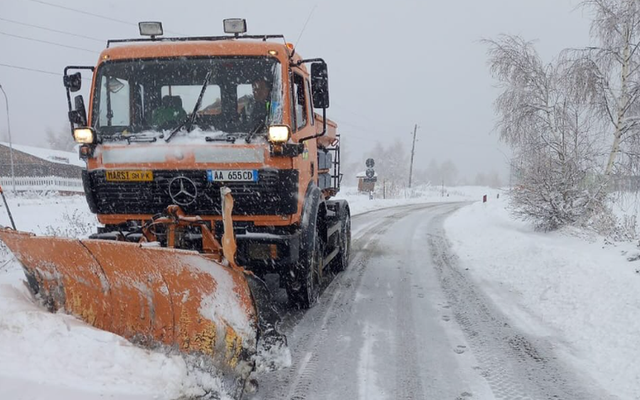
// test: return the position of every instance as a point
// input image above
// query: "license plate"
(232, 175)
(129, 176)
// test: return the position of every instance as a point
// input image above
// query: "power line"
(52, 30)
(360, 127)
(362, 116)
(93, 15)
(37, 70)
(84, 12)
(295, 46)
(51, 43)
(30, 69)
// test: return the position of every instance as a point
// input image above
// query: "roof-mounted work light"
(150, 28)
(235, 26)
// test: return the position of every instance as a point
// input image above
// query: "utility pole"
(413, 148)
(13, 175)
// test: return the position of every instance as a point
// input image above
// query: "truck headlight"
(279, 133)
(84, 135)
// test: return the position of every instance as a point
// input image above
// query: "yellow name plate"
(129, 176)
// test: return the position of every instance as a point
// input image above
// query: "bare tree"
(551, 133)
(608, 77)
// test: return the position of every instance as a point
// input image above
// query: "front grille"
(275, 193)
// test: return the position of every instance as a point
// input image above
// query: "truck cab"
(170, 121)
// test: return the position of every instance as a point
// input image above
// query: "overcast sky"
(391, 63)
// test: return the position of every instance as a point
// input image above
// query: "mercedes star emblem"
(182, 191)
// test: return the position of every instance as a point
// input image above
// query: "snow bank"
(60, 352)
(566, 286)
(360, 203)
(54, 214)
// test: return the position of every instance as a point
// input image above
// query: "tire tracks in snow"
(515, 365)
(301, 380)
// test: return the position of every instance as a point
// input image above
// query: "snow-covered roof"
(54, 156)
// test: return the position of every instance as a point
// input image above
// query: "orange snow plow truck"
(207, 168)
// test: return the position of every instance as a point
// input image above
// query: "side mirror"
(320, 85)
(73, 82)
(79, 115)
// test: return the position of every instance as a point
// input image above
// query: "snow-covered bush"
(622, 223)
(552, 193)
(74, 225)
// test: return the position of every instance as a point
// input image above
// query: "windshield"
(243, 95)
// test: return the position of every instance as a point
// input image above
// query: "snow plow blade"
(149, 295)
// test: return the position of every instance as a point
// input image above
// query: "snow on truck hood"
(123, 152)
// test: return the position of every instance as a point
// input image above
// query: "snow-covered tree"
(551, 133)
(608, 77)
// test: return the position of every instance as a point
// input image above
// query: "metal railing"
(44, 184)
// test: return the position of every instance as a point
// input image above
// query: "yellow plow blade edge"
(149, 295)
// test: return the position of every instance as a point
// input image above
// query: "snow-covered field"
(572, 288)
(56, 356)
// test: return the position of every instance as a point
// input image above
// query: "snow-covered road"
(404, 322)
(502, 312)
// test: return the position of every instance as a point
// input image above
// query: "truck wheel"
(341, 261)
(304, 287)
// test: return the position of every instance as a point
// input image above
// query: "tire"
(303, 284)
(341, 261)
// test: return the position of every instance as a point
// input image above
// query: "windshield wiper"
(188, 122)
(129, 138)
(146, 139)
(227, 137)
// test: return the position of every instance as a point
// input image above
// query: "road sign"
(370, 163)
